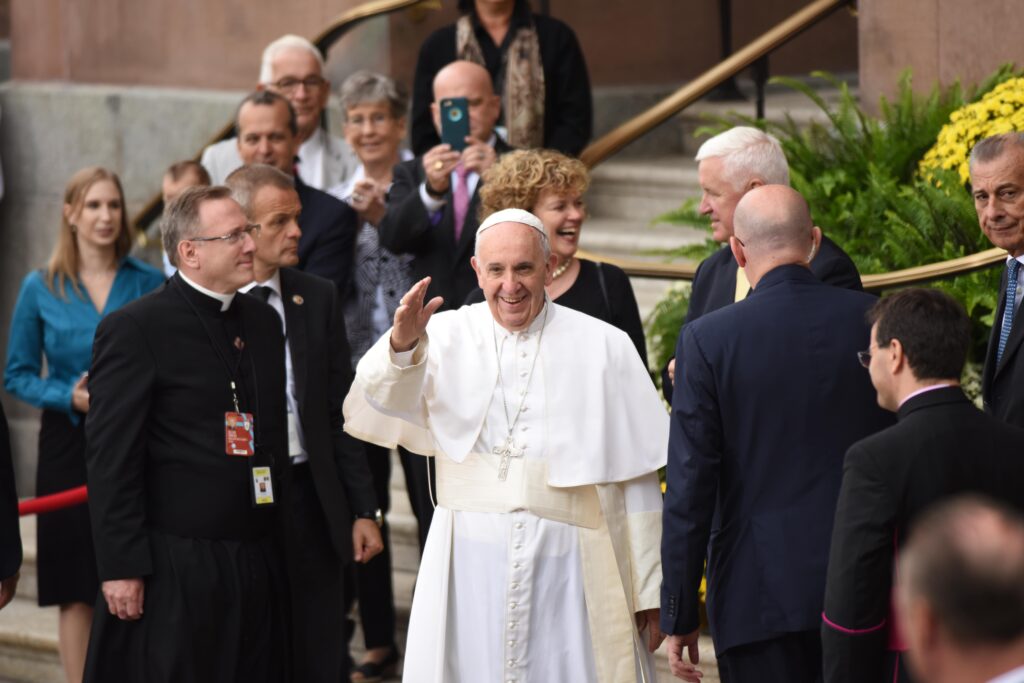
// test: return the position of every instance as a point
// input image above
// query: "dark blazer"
(10, 534)
(714, 284)
(329, 228)
(941, 446)
(323, 374)
(155, 429)
(1001, 386)
(408, 228)
(768, 397)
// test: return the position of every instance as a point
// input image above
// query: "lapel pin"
(298, 300)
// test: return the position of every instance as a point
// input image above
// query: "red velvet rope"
(54, 501)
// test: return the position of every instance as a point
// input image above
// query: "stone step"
(641, 189)
(28, 643)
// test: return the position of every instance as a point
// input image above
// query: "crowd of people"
(324, 301)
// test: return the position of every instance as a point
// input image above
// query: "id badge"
(262, 486)
(239, 434)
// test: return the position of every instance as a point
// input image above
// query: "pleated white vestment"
(535, 577)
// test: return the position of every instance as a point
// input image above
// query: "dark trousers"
(793, 658)
(315, 575)
(373, 583)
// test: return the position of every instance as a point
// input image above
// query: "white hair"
(286, 42)
(748, 153)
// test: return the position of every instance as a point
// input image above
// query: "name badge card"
(262, 486)
(239, 436)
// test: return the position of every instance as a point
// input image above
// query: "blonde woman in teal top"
(89, 275)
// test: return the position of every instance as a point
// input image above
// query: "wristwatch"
(376, 515)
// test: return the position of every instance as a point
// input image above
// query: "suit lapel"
(295, 320)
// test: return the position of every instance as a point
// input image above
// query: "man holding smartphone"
(432, 206)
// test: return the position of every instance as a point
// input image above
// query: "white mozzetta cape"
(605, 422)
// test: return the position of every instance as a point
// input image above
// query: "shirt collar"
(1012, 676)
(224, 299)
(273, 283)
(924, 390)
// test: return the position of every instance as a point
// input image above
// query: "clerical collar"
(224, 299)
(274, 283)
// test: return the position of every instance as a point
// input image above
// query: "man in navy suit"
(730, 165)
(769, 395)
(268, 134)
(997, 181)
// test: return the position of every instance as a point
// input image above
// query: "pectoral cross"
(507, 451)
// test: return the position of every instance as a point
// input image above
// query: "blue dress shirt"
(62, 330)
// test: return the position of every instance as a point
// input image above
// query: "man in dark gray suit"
(997, 181)
(332, 510)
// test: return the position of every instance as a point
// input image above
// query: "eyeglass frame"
(290, 84)
(252, 229)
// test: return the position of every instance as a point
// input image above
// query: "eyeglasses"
(864, 357)
(253, 229)
(290, 85)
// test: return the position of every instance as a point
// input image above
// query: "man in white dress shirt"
(292, 66)
(542, 559)
(960, 593)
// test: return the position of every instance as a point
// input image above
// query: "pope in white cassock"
(542, 562)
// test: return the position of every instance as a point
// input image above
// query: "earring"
(74, 228)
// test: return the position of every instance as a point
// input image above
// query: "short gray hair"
(181, 221)
(364, 87)
(994, 146)
(748, 153)
(246, 181)
(286, 42)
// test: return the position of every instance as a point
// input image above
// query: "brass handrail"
(877, 282)
(611, 142)
(324, 40)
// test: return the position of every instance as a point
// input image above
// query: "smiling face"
(99, 219)
(562, 214)
(277, 212)
(373, 132)
(511, 269)
(264, 136)
(998, 187)
(719, 197)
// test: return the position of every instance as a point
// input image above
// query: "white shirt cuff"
(429, 202)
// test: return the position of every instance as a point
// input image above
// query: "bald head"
(773, 227)
(469, 80)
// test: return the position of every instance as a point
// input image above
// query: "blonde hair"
(518, 178)
(63, 264)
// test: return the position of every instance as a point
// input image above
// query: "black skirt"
(66, 558)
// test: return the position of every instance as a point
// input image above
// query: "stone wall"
(50, 130)
(939, 40)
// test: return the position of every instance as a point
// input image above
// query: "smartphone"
(455, 122)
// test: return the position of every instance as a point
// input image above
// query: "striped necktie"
(1008, 310)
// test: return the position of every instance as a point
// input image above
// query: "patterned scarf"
(523, 91)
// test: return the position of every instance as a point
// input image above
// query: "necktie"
(742, 285)
(261, 292)
(1008, 310)
(460, 199)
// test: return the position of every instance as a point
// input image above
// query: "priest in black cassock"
(188, 468)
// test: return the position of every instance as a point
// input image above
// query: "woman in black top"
(551, 186)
